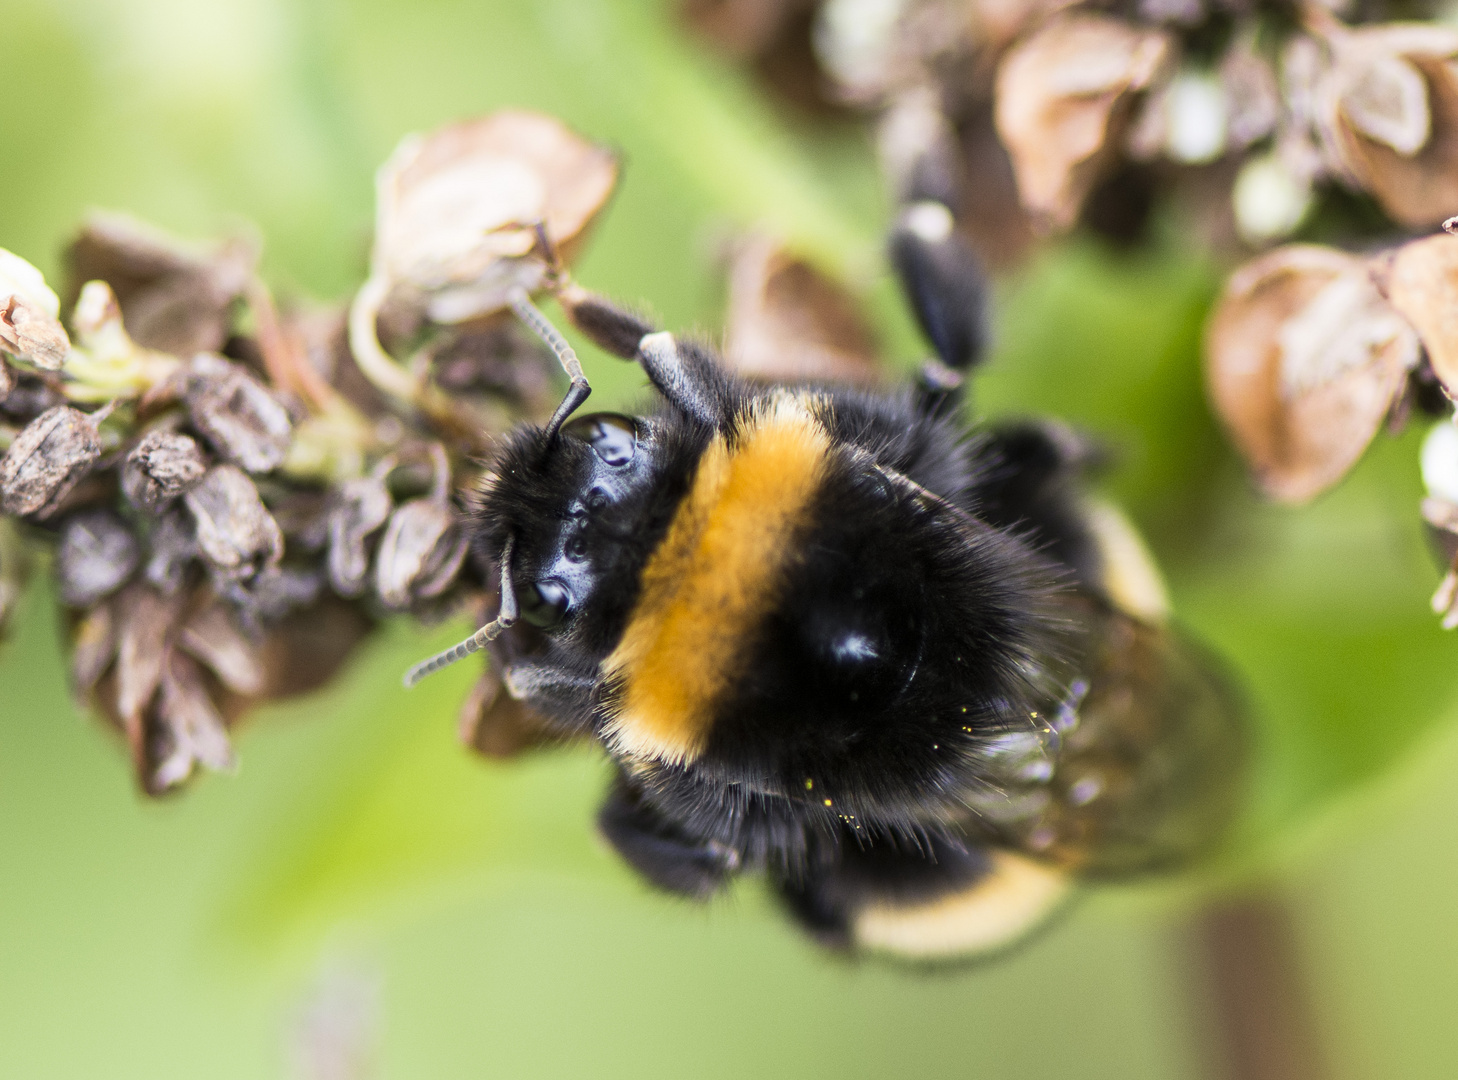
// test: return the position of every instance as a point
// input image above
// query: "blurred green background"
(359, 853)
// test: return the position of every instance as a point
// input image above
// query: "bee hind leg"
(661, 852)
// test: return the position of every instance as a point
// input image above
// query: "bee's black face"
(581, 510)
(565, 560)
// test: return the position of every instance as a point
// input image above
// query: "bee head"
(581, 510)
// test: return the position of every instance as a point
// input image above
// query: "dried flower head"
(1304, 359)
(46, 460)
(1422, 283)
(1389, 115)
(360, 507)
(1062, 97)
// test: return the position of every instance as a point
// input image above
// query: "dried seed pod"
(1304, 358)
(790, 323)
(93, 648)
(1422, 283)
(30, 326)
(29, 396)
(164, 465)
(454, 209)
(360, 507)
(237, 415)
(423, 547)
(97, 553)
(1061, 95)
(185, 729)
(171, 545)
(176, 296)
(234, 530)
(47, 458)
(146, 619)
(1389, 113)
(211, 637)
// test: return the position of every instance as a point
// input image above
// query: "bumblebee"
(905, 668)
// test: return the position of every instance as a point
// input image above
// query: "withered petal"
(146, 621)
(419, 541)
(790, 323)
(187, 729)
(1304, 358)
(211, 637)
(93, 647)
(451, 205)
(361, 506)
(1059, 95)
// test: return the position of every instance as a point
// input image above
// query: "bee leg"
(528, 681)
(687, 375)
(554, 690)
(945, 284)
(1029, 477)
(659, 851)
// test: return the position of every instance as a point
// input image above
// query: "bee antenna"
(539, 324)
(505, 618)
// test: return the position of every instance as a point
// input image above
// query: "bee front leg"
(689, 376)
(551, 688)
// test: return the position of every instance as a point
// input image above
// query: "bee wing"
(1139, 766)
(1139, 769)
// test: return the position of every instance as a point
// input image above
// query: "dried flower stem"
(390, 378)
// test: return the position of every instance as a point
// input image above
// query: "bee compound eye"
(613, 438)
(544, 603)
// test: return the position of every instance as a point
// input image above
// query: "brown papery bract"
(1304, 359)
(176, 296)
(1422, 283)
(456, 206)
(788, 322)
(1062, 95)
(1389, 105)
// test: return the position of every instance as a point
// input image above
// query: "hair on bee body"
(886, 658)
